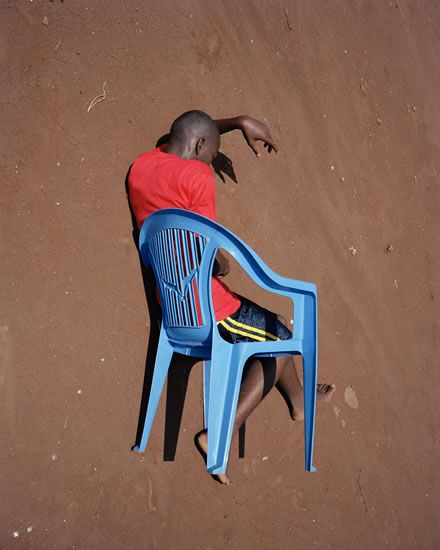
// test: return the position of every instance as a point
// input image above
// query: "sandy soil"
(350, 90)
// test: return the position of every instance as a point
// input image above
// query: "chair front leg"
(227, 365)
(310, 375)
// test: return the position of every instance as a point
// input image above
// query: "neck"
(181, 150)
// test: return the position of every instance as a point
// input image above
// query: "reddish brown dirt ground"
(350, 90)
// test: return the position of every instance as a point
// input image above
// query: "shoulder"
(196, 171)
(147, 155)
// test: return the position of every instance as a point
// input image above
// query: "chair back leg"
(161, 366)
(206, 382)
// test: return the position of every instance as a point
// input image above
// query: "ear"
(200, 145)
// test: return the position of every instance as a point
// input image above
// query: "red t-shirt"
(161, 180)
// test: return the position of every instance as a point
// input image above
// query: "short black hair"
(193, 124)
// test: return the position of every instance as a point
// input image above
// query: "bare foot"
(201, 441)
(324, 392)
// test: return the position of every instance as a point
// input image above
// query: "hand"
(221, 265)
(253, 131)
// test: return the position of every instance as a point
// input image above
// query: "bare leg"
(260, 376)
(290, 387)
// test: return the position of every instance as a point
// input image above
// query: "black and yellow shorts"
(252, 323)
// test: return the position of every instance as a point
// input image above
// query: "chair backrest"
(178, 245)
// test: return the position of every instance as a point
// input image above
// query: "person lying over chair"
(178, 175)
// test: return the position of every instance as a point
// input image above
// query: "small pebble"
(79, 392)
(342, 178)
(15, 534)
(45, 21)
(264, 458)
(379, 121)
(389, 248)
(29, 529)
(54, 457)
(353, 250)
(350, 397)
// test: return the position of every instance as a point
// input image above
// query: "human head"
(196, 135)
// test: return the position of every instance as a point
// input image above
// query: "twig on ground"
(286, 12)
(361, 493)
(98, 98)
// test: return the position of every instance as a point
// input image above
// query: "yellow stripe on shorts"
(248, 334)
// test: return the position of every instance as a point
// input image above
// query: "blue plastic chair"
(181, 246)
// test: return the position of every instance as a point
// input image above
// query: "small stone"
(264, 458)
(414, 108)
(353, 250)
(379, 121)
(29, 529)
(336, 410)
(350, 397)
(15, 534)
(389, 248)
(415, 179)
(332, 167)
(79, 392)
(102, 359)
(342, 179)
(45, 21)
(54, 457)
(395, 283)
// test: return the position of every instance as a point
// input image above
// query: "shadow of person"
(223, 165)
(180, 368)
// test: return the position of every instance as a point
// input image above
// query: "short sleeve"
(202, 197)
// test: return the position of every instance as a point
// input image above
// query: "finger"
(271, 142)
(269, 147)
(254, 148)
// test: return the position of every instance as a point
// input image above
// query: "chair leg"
(206, 381)
(161, 366)
(224, 390)
(310, 375)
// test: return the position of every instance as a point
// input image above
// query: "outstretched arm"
(253, 131)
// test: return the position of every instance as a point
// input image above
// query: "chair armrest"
(259, 271)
